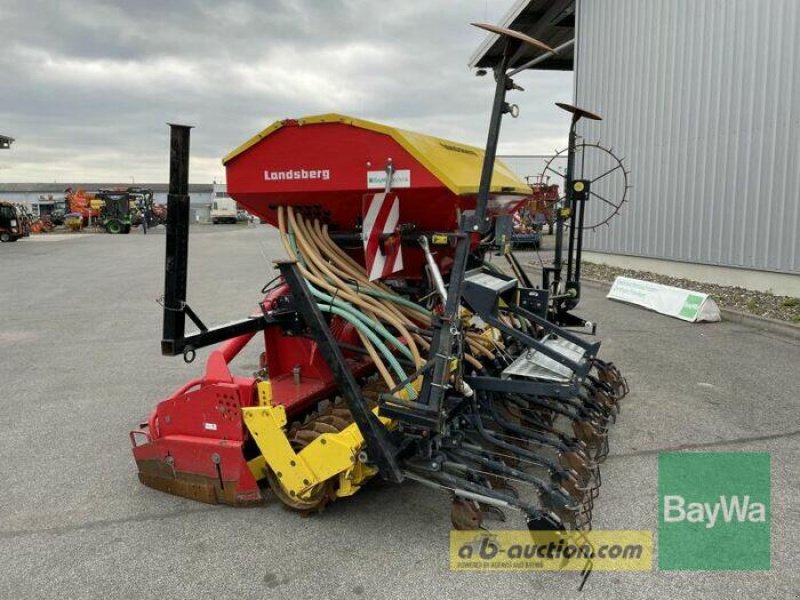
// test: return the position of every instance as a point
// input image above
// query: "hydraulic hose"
(327, 279)
(363, 285)
(350, 313)
(379, 364)
(362, 328)
(410, 314)
(342, 259)
(357, 314)
(294, 244)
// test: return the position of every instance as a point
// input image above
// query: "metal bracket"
(379, 448)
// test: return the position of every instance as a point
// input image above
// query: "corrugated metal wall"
(702, 97)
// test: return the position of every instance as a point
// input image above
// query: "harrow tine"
(542, 425)
(471, 490)
(587, 436)
(569, 441)
(595, 405)
(601, 394)
(554, 470)
(464, 515)
(583, 413)
(500, 469)
(566, 497)
(570, 455)
(604, 449)
(571, 461)
(570, 409)
(530, 436)
(577, 464)
(608, 373)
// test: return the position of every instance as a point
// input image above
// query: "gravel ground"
(763, 304)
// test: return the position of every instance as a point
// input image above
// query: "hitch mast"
(174, 340)
(436, 381)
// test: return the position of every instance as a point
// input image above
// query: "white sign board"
(376, 180)
(674, 302)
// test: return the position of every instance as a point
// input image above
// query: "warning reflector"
(382, 249)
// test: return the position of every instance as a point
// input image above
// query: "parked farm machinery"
(115, 210)
(393, 347)
(542, 208)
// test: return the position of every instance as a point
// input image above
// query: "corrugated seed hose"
(339, 287)
(412, 311)
(317, 255)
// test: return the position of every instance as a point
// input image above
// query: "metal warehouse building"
(702, 98)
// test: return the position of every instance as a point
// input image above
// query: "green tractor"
(115, 215)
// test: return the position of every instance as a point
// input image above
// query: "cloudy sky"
(87, 86)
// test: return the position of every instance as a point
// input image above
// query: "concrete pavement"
(80, 366)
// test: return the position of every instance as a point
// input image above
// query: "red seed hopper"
(329, 162)
(326, 164)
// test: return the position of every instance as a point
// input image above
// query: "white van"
(223, 210)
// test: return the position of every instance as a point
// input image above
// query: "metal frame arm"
(380, 450)
(174, 340)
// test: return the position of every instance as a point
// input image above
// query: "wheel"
(126, 229)
(315, 499)
(6, 237)
(114, 226)
(604, 171)
(214, 222)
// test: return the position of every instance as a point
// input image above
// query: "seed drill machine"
(394, 347)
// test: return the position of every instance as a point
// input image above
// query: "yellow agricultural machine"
(393, 346)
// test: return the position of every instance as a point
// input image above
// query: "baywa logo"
(714, 511)
(733, 508)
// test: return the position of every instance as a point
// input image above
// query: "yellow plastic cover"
(456, 165)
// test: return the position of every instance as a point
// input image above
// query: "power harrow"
(394, 346)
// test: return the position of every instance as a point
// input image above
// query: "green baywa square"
(714, 511)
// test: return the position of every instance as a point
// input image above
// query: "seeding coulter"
(393, 346)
